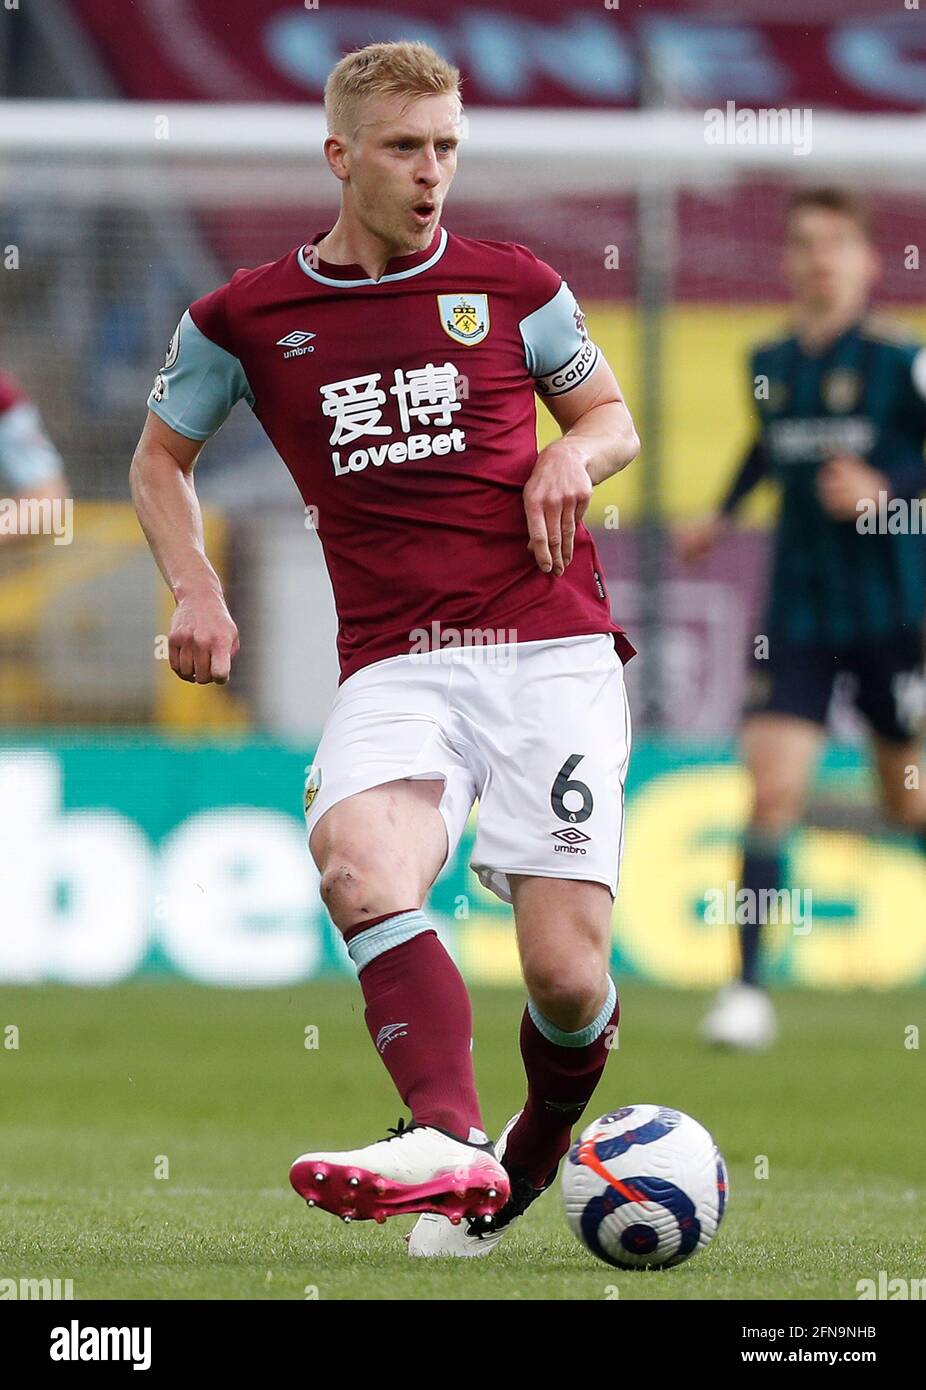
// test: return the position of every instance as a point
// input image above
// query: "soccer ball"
(645, 1187)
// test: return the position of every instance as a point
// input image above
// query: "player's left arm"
(598, 440)
(596, 424)
(579, 389)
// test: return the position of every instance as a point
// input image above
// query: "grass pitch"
(109, 1087)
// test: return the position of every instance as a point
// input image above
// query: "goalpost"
(666, 224)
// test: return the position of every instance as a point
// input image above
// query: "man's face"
(400, 164)
(828, 259)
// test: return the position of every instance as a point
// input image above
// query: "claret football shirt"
(404, 409)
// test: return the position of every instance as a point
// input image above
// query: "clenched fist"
(203, 639)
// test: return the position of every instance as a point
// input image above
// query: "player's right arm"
(203, 638)
(196, 388)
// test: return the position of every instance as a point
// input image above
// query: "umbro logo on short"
(297, 343)
(571, 841)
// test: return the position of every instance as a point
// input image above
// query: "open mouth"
(424, 211)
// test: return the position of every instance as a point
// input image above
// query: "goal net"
(117, 215)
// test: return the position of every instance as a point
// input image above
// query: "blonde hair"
(384, 69)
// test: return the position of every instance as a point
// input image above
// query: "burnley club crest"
(464, 317)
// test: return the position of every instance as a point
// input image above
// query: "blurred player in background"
(394, 368)
(30, 465)
(841, 419)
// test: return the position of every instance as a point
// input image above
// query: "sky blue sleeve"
(27, 456)
(198, 384)
(557, 348)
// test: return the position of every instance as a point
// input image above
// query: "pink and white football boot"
(417, 1169)
(434, 1235)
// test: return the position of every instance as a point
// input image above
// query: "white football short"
(538, 732)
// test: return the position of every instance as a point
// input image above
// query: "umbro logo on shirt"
(296, 342)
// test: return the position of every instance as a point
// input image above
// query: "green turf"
(220, 1083)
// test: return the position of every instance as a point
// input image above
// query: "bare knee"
(353, 892)
(781, 754)
(569, 994)
(379, 851)
(776, 807)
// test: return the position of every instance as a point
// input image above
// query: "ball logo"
(645, 1187)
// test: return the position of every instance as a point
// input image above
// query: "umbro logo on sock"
(388, 1033)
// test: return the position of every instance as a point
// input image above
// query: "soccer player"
(841, 418)
(30, 465)
(393, 365)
